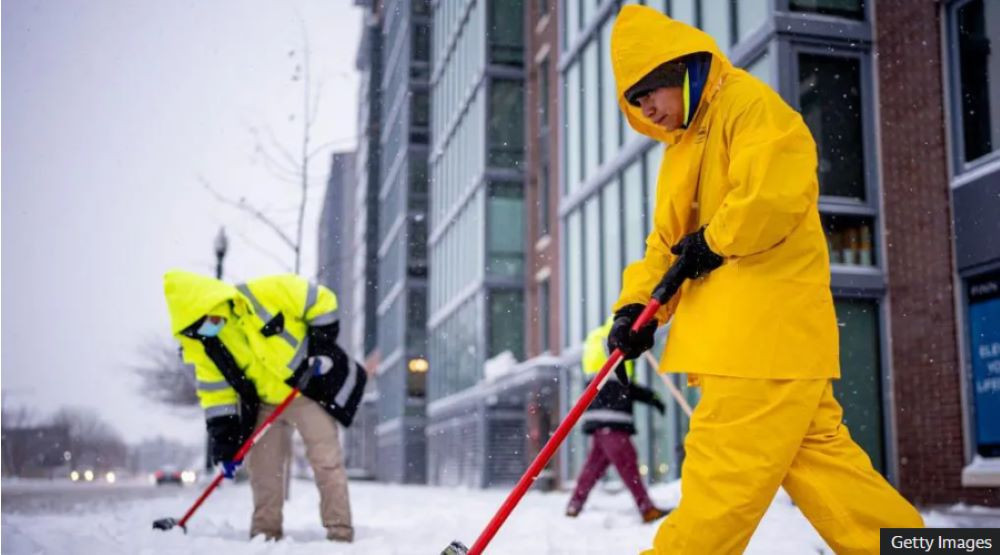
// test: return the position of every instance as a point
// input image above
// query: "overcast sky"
(111, 111)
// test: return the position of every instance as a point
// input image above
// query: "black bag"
(338, 391)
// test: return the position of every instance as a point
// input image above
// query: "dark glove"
(226, 434)
(229, 468)
(632, 344)
(694, 256)
(658, 405)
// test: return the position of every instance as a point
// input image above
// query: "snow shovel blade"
(456, 548)
(167, 524)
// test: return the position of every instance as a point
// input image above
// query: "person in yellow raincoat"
(754, 324)
(247, 343)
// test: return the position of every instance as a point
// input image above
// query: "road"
(65, 496)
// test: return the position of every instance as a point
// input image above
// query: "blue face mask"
(211, 326)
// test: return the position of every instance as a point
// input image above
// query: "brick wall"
(541, 36)
(924, 348)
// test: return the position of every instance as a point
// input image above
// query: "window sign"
(984, 331)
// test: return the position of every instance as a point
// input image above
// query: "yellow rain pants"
(749, 436)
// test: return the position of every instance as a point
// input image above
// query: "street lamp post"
(221, 244)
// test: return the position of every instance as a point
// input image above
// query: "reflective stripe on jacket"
(266, 330)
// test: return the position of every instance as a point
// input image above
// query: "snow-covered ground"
(389, 519)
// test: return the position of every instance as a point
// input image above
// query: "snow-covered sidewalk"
(389, 519)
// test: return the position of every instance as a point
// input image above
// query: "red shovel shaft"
(244, 449)
(556, 440)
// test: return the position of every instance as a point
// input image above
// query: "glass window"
(571, 22)
(591, 95)
(611, 227)
(859, 389)
(505, 238)
(574, 282)
(850, 240)
(854, 9)
(421, 7)
(761, 68)
(506, 323)
(421, 42)
(750, 15)
(587, 9)
(611, 137)
(543, 8)
(506, 32)
(984, 344)
(572, 141)
(416, 321)
(592, 258)
(506, 126)
(421, 109)
(543, 95)
(978, 25)
(635, 205)
(683, 10)
(830, 100)
(716, 20)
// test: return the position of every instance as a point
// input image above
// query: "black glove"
(227, 436)
(632, 344)
(694, 256)
(658, 405)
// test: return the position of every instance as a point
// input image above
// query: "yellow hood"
(643, 38)
(190, 296)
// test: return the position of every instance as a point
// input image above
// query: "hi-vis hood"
(643, 38)
(190, 296)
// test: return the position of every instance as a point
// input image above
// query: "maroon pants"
(611, 447)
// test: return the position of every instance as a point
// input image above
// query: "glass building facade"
(401, 306)
(973, 83)
(476, 241)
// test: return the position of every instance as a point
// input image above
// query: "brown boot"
(654, 514)
(572, 510)
(340, 534)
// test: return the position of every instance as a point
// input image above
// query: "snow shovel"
(674, 392)
(669, 285)
(170, 522)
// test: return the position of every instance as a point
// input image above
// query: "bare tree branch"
(244, 206)
(331, 144)
(165, 377)
(284, 265)
(281, 148)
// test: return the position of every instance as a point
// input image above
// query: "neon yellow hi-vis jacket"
(267, 360)
(745, 167)
(595, 351)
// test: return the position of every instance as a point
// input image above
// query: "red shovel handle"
(669, 285)
(244, 449)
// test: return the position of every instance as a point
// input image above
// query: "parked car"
(168, 475)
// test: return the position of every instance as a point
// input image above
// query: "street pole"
(221, 244)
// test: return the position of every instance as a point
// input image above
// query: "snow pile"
(499, 366)
(388, 519)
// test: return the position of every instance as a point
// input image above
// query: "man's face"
(664, 107)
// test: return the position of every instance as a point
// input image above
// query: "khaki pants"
(267, 469)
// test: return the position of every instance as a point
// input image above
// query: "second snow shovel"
(170, 522)
(669, 285)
